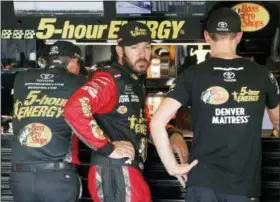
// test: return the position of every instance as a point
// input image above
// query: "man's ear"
(239, 37)
(73, 66)
(74, 60)
(206, 36)
(119, 51)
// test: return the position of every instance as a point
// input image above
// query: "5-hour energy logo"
(246, 95)
(166, 29)
(35, 105)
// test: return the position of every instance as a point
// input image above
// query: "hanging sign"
(254, 17)
(88, 29)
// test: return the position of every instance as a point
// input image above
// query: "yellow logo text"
(36, 106)
(166, 29)
(138, 32)
(139, 125)
(246, 95)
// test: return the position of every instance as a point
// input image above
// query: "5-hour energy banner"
(55, 28)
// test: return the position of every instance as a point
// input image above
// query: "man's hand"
(275, 133)
(181, 171)
(179, 146)
(123, 149)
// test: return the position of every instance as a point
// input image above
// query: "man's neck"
(225, 55)
(224, 50)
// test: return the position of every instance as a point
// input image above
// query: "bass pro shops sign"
(254, 17)
(55, 28)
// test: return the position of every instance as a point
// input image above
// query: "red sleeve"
(98, 95)
(149, 118)
(75, 150)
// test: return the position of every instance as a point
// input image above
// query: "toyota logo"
(47, 76)
(229, 75)
(222, 24)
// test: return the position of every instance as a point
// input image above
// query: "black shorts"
(200, 194)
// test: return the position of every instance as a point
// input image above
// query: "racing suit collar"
(56, 66)
(128, 71)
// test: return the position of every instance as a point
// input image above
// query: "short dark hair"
(63, 60)
(222, 35)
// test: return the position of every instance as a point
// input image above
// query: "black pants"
(200, 194)
(45, 186)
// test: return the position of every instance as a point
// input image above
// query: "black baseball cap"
(64, 48)
(133, 33)
(224, 20)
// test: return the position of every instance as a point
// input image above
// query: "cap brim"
(132, 42)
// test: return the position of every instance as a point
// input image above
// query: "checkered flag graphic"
(6, 34)
(18, 34)
(29, 34)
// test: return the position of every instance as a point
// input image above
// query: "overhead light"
(32, 55)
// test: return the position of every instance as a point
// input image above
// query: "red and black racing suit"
(112, 100)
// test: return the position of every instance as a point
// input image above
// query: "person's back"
(41, 133)
(228, 101)
(44, 147)
(228, 96)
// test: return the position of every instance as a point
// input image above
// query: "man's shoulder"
(252, 66)
(242, 62)
(108, 71)
(29, 72)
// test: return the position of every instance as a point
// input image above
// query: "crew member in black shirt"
(44, 149)
(228, 95)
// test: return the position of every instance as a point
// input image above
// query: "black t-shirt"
(40, 131)
(228, 98)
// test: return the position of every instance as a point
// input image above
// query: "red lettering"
(40, 141)
(245, 8)
(37, 134)
(37, 127)
(248, 16)
(255, 24)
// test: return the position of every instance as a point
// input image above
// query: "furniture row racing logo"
(35, 135)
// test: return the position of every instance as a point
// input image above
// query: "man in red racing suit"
(108, 114)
